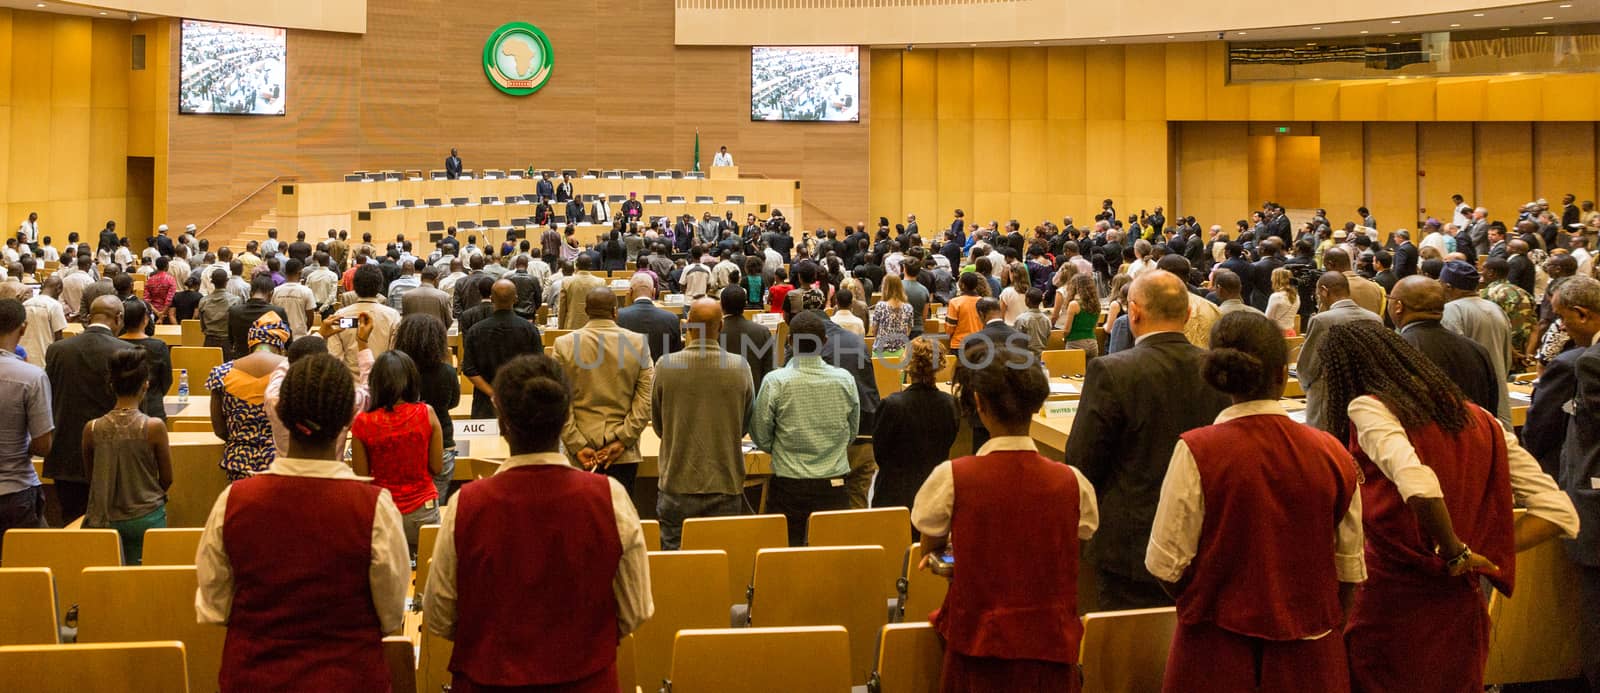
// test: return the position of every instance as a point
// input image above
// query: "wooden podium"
(723, 173)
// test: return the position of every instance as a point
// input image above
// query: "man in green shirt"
(806, 416)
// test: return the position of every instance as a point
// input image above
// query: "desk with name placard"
(350, 204)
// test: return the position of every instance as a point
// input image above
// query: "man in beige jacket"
(611, 375)
(575, 289)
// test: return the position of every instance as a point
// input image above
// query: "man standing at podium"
(723, 158)
(452, 165)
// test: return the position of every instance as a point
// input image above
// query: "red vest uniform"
(1263, 577)
(1415, 628)
(302, 617)
(1010, 619)
(537, 551)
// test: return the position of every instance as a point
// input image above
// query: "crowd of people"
(1345, 552)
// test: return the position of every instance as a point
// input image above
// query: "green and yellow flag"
(696, 150)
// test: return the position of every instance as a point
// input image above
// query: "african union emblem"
(517, 58)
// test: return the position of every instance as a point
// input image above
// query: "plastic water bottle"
(183, 386)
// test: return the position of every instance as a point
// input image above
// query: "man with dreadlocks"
(1440, 476)
(305, 563)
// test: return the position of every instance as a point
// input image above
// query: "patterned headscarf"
(269, 329)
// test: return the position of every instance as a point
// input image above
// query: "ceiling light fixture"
(1102, 40)
(38, 4)
(1566, 6)
(1363, 31)
(1394, 21)
(1241, 33)
(1505, 28)
(1035, 43)
(1316, 28)
(1477, 14)
(1454, 25)
(1172, 37)
(1547, 18)
(1540, 33)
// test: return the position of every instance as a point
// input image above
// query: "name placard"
(477, 428)
(1055, 410)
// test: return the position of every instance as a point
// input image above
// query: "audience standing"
(610, 371)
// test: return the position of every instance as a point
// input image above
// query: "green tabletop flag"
(696, 150)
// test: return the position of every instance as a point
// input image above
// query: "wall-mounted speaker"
(363, 216)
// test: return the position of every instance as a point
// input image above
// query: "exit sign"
(1282, 130)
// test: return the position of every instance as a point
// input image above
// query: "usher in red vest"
(302, 617)
(1475, 477)
(1015, 592)
(536, 551)
(1264, 566)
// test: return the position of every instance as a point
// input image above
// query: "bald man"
(611, 374)
(1156, 389)
(78, 371)
(659, 326)
(1334, 307)
(1416, 307)
(493, 342)
(700, 407)
(47, 318)
(1365, 292)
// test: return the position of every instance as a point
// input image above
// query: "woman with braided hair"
(1439, 478)
(304, 562)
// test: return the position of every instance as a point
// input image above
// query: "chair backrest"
(199, 361)
(834, 585)
(910, 658)
(402, 661)
(1061, 362)
(66, 552)
(739, 537)
(1126, 651)
(886, 372)
(191, 334)
(28, 611)
(1529, 634)
(652, 534)
(924, 590)
(481, 468)
(627, 669)
(762, 660)
(427, 536)
(124, 667)
(171, 545)
(690, 590)
(150, 603)
(433, 667)
(888, 528)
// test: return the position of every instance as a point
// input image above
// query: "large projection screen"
(232, 69)
(808, 83)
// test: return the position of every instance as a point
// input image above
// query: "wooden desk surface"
(171, 334)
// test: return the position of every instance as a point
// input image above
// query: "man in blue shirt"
(26, 426)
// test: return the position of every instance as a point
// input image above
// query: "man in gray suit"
(1578, 304)
(611, 374)
(1335, 307)
(709, 230)
(1480, 320)
(1478, 231)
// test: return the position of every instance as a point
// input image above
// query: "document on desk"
(1060, 388)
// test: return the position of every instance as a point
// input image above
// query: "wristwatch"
(1460, 558)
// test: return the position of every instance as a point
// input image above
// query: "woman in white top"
(1284, 303)
(1142, 261)
(1014, 298)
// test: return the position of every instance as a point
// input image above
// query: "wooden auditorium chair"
(28, 610)
(762, 660)
(816, 586)
(151, 603)
(125, 667)
(910, 658)
(1065, 362)
(888, 528)
(921, 591)
(66, 552)
(690, 590)
(171, 545)
(1126, 651)
(739, 537)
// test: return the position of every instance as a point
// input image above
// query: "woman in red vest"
(1010, 620)
(1258, 532)
(1439, 476)
(305, 563)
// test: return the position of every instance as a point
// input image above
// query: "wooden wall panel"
(1212, 170)
(1145, 80)
(1392, 174)
(1343, 184)
(1186, 96)
(1503, 154)
(1104, 79)
(1223, 101)
(1064, 72)
(1027, 83)
(412, 87)
(1563, 161)
(1262, 158)
(1299, 172)
(883, 153)
(1444, 155)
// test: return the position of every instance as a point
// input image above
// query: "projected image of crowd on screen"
(805, 83)
(232, 69)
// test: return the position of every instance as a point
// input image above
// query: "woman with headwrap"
(238, 394)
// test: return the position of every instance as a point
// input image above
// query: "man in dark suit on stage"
(1135, 404)
(545, 188)
(452, 165)
(1578, 304)
(78, 371)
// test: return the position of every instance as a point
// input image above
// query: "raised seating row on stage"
(519, 174)
(491, 200)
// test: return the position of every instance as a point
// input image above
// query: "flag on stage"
(696, 150)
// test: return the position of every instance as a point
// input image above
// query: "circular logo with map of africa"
(517, 58)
